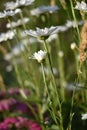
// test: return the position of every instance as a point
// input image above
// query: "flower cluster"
(15, 106)
(19, 123)
(43, 34)
(7, 104)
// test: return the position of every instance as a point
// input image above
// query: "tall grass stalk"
(71, 110)
(61, 70)
(46, 92)
(24, 26)
(74, 16)
(51, 69)
(23, 53)
(55, 94)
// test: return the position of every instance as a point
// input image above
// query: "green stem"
(24, 26)
(21, 15)
(55, 88)
(61, 70)
(73, 13)
(50, 66)
(47, 91)
(23, 54)
(71, 110)
(13, 30)
(45, 83)
(32, 110)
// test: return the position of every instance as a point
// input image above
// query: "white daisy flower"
(81, 6)
(8, 35)
(42, 34)
(18, 3)
(52, 37)
(8, 13)
(39, 56)
(18, 23)
(10, 5)
(84, 116)
(43, 9)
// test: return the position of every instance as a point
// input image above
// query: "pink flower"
(19, 122)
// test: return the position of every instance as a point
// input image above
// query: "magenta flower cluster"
(14, 113)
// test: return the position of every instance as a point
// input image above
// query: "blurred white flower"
(71, 23)
(73, 46)
(12, 5)
(18, 23)
(39, 56)
(43, 9)
(81, 6)
(42, 34)
(62, 29)
(17, 49)
(60, 54)
(47, 71)
(9, 68)
(8, 35)
(84, 116)
(52, 37)
(24, 2)
(8, 13)
(73, 86)
(8, 56)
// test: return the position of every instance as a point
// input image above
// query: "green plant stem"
(61, 70)
(13, 30)
(21, 15)
(73, 13)
(27, 48)
(76, 60)
(47, 91)
(24, 26)
(32, 110)
(71, 110)
(23, 54)
(45, 83)
(50, 66)
(55, 87)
